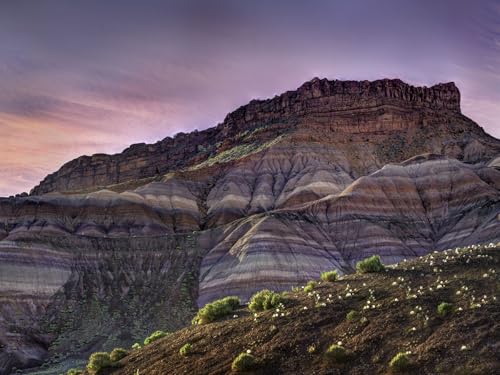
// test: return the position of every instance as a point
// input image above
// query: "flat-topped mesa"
(320, 109)
(320, 96)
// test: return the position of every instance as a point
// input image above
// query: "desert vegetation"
(99, 361)
(265, 300)
(216, 310)
(330, 276)
(154, 336)
(117, 354)
(336, 354)
(370, 265)
(444, 309)
(243, 362)
(186, 349)
(400, 362)
(310, 286)
(382, 322)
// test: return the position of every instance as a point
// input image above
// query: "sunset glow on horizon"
(89, 77)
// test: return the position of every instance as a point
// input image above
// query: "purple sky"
(80, 77)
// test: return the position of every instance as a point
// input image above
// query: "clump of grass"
(74, 371)
(400, 363)
(216, 310)
(117, 354)
(310, 286)
(154, 336)
(372, 264)
(330, 276)
(243, 362)
(264, 300)
(336, 354)
(444, 309)
(186, 350)
(352, 316)
(136, 346)
(98, 361)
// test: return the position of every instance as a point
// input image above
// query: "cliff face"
(346, 107)
(282, 190)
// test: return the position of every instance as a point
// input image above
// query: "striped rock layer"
(111, 247)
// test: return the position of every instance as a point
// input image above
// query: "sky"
(93, 76)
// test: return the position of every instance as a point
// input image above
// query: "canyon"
(111, 247)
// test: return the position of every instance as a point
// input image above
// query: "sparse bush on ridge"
(117, 354)
(265, 300)
(216, 310)
(400, 362)
(136, 346)
(99, 361)
(444, 309)
(370, 265)
(155, 336)
(186, 349)
(336, 354)
(329, 276)
(243, 362)
(310, 286)
(352, 315)
(74, 371)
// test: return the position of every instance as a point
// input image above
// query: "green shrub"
(330, 276)
(216, 310)
(352, 316)
(117, 354)
(136, 346)
(264, 300)
(400, 362)
(154, 336)
(74, 371)
(186, 350)
(370, 265)
(98, 361)
(445, 309)
(336, 354)
(243, 362)
(310, 286)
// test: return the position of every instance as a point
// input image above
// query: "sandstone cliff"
(113, 246)
(350, 111)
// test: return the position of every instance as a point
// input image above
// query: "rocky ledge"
(346, 106)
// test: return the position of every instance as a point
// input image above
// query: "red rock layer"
(345, 107)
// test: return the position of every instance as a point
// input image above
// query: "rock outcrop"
(350, 111)
(113, 246)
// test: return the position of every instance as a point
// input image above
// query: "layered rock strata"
(348, 108)
(401, 211)
(111, 247)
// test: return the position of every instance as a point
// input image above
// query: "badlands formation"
(111, 247)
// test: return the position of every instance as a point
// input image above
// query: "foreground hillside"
(396, 310)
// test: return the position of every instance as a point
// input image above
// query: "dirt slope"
(402, 316)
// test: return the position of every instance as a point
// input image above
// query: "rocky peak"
(320, 110)
(322, 95)
(439, 96)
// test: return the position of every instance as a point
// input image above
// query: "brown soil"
(404, 318)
